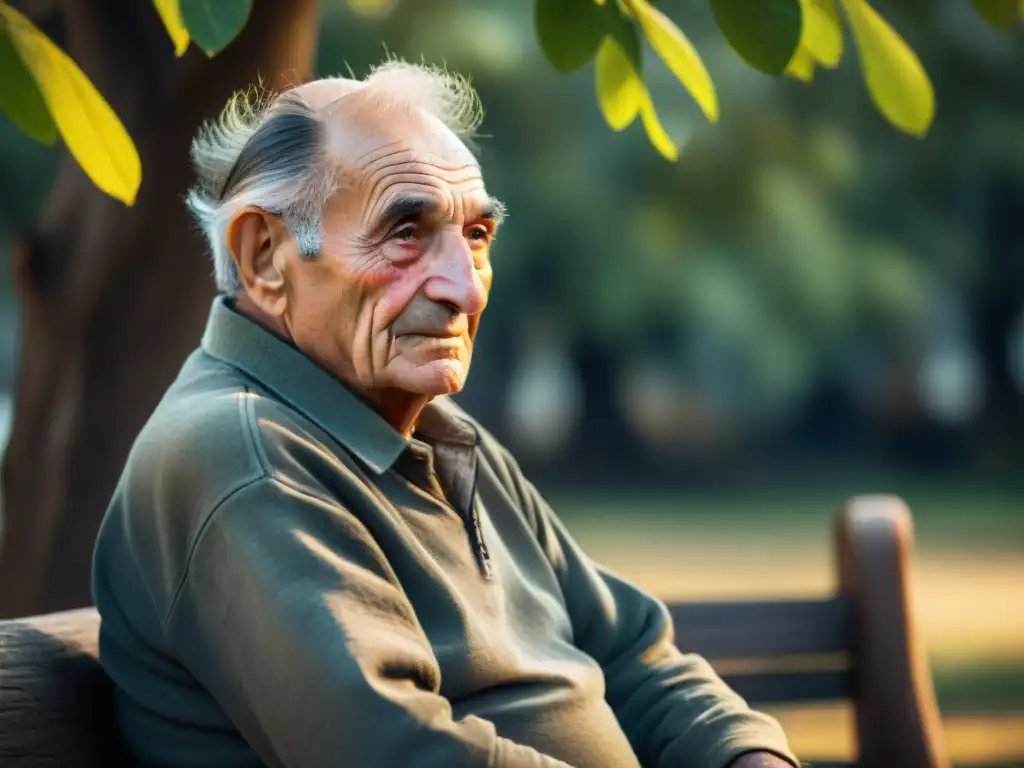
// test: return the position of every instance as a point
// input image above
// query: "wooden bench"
(859, 644)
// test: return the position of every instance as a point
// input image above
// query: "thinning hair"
(270, 151)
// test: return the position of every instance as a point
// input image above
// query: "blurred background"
(698, 362)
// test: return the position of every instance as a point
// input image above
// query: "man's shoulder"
(203, 446)
(206, 441)
(199, 438)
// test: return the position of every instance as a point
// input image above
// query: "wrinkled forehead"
(358, 117)
(361, 130)
(386, 152)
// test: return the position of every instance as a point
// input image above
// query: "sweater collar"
(300, 382)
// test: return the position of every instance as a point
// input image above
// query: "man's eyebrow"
(493, 210)
(406, 208)
(417, 207)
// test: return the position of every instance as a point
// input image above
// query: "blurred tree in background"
(111, 298)
(805, 289)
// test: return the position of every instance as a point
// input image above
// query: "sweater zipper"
(476, 532)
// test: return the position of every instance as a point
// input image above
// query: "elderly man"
(310, 560)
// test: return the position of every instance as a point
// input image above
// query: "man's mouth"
(453, 332)
(435, 341)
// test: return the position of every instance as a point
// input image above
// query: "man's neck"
(399, 409)
(243, 305)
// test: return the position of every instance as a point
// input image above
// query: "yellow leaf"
(92, 132)
(170, 14)
(656, 133)
(619, 87)
(678, 54)
(897, 82)
(822, 34)
(801, 66)
(372, 9)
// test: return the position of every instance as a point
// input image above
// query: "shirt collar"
(442, 421)
(297, 380)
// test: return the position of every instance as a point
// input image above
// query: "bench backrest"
(56, 703)
(858, 644)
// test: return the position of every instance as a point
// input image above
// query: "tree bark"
(112, 298)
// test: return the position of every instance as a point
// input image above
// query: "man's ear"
(255, 238)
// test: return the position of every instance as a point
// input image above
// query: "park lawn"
(967, 581)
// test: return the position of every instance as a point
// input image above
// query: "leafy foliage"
(213, 24)
(895, 78)
(20, 99)
(569, 32)
(91, 130)
(1001, 14)
(45, 93)
(170, 15)
(821, 36)
(675, 50)
(619, 87)
(765, 34)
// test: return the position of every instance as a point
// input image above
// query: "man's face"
(394, 300)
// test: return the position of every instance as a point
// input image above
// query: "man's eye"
(479, 234)
(405, 234)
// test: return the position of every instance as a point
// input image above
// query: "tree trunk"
(112, 299)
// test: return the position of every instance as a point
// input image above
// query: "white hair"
(271, 152)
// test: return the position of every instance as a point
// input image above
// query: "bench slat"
(792, 687)
(757, 629)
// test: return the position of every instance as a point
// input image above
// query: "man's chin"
(442, 377)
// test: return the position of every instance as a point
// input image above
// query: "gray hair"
(271, 152)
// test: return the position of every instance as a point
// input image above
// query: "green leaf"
(568, 31)
(372, 9)
(170, 15)
(678, 54)
(822, 34)
(765, 33)
(801, 66)
(656, 133)
(897, 82)
(1001, 14)
(20, 98)
(213, 24)
(625, 30)
(619, 87)
(91, 130)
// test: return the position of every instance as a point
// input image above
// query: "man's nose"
(454, 278)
